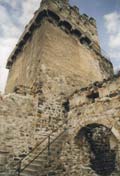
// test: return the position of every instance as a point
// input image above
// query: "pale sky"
(15, 14)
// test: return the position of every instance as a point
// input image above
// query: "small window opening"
(54, 16)
(76, 33)
(32, 27)
(65, 26)
(27, 36)
(40, 16)
(85, 41)
(93, 95)
(66, 106)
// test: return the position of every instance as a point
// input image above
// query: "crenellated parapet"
(64, 9)
(72, 14)
(68, 19)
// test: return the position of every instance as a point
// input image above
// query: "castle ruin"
(60, 115)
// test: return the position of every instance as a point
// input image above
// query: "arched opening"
(32, 27)
(54, 16)
(65, 26)
(85, 41)
(40, 16)
(92, 95)
(102, 156)
(66, 105)
(26, 36)
(13, 58)
(17, 51)
(21, 44)
(9, 63)
(76, 33)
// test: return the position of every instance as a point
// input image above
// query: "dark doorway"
(102, 157)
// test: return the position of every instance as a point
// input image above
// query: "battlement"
(82, 22)
(71, 12)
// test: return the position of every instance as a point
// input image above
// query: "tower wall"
(56, 52)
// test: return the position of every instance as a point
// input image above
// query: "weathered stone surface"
(73, 113)
(63, 118)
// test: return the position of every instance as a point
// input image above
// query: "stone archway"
(102, 155)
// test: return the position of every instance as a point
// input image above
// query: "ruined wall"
(97, 150)
(25, 121)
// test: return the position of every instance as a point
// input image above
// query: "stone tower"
(58, 50)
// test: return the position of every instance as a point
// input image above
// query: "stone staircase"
(44, 160)
(4, 155)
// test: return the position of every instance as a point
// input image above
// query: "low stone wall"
(107, 88)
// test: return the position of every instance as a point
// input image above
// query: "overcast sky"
(15, 14)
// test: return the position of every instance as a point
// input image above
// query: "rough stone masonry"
(60, 115)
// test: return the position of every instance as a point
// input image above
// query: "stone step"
(53, 149)
(24, 174)
(39, 153)
(34, 166)
(43, 172)
(30, 172)
(56, 144)
(39, 160)
(39, 173)
(3, 174)
(44, 166)
(41, 166)
(34, 155)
